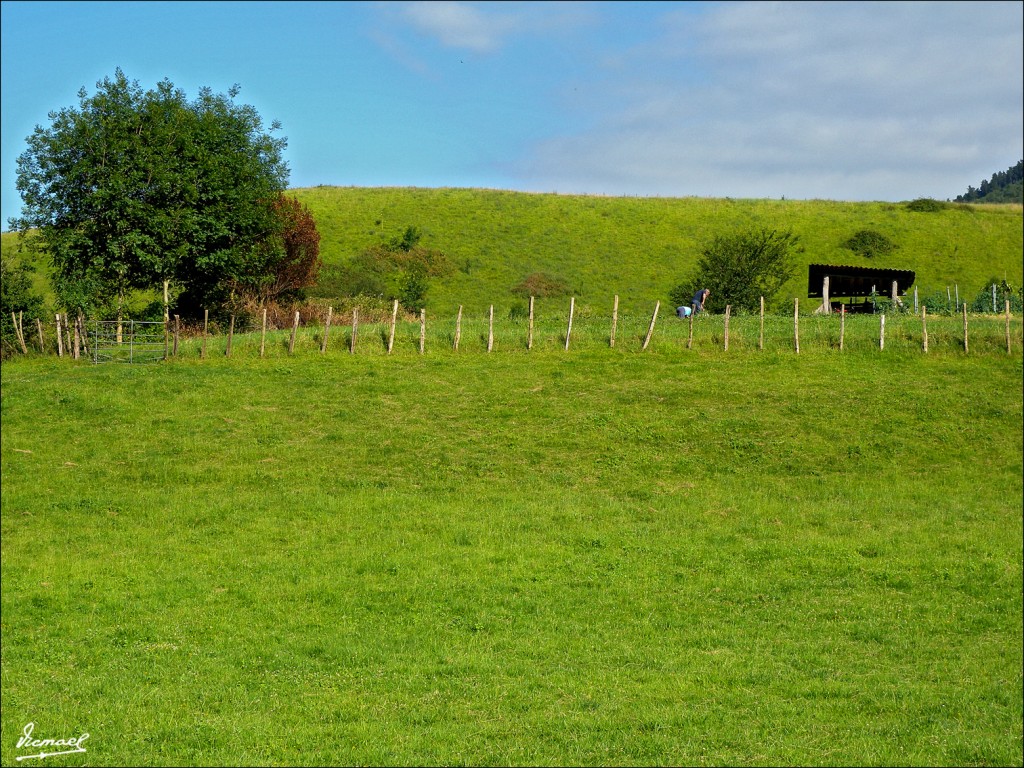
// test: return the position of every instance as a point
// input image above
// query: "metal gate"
(128, 341)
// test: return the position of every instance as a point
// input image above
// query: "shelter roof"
(845, 281)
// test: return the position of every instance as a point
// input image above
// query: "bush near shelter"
(869, 243)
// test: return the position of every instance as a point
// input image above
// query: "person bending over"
(699, 298)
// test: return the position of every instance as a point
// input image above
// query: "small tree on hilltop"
(741, 268)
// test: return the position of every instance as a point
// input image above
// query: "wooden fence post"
(881, 332)
(965, 327)
(529, 331)
(615, 320)
(826, 305)
(924, 328)
(728, 310)
(650, 328)
(423, 330)
(177, 331)
(568, 331)
(295, 330)
(490, 329)
(327, 330)
(167, 319)
(17, 333)
(85, 334)
(458, 329)
(231, 336)
(689, 338)
(21, 332)
(915, 300)
(842, 326)
(206, 325)
(760, 337)
(60, 338)
(394, 321)
(355, 330)
(796, 324)
(1008, 328)
(42, 346)
(78, 340)
(263, 334)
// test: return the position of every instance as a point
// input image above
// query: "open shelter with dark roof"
(857, 282)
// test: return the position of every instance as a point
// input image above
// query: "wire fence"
(565, 327)
(131, 341)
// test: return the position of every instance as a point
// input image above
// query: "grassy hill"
(640, 248)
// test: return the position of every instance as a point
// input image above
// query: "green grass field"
(599, 555)
(596, 557)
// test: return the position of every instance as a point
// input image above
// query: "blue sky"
(834, 100)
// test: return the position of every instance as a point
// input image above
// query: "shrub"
(16, 295)
(1004, 292)
(412, 289)
(885, 305)
(293, 262)
(869, 243)
(400, 269)
(741, 268)
(937, 303)
(926, 205)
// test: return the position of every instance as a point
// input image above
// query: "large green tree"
(133, 188)
(740, 268)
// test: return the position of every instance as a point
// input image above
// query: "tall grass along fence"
(553, 326)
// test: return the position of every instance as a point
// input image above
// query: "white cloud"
(487, 27)
(847, 100)
(459, 25)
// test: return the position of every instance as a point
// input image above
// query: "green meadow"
(791, 544)
(592, 556)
